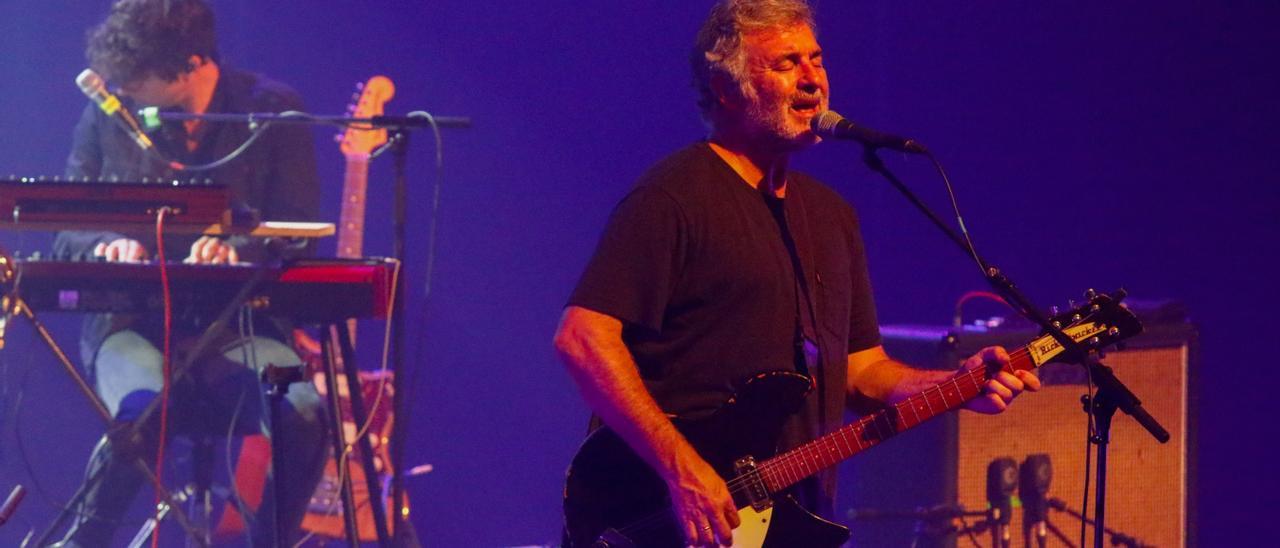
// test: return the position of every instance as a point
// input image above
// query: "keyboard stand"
(11, 304)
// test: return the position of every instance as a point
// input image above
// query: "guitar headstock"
(1100, 322)
(370, 97)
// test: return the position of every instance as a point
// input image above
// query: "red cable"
(958, 318)
(164, 390)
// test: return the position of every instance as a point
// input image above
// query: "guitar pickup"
(756, 492)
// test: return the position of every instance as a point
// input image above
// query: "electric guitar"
(613, 499)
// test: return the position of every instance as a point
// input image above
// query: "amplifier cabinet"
(1150, 486)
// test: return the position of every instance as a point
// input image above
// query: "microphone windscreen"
(89, 81)
(825, 124)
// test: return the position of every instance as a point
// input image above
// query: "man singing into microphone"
(722, 263)
(163, 53)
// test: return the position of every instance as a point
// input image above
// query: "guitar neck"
(351, 219)
(801, 462)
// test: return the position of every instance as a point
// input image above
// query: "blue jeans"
(220, 388)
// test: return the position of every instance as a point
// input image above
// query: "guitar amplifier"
(1150, 486)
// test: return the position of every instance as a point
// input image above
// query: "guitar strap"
(808, 355)
(802, 254)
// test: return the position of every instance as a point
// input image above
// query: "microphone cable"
(1092, 424)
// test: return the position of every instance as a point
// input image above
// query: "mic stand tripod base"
(15, 305)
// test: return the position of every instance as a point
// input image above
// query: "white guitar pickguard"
(753, 528)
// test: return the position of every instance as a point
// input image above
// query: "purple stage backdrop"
(1092, 145)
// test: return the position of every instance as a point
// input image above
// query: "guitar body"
(611, 492)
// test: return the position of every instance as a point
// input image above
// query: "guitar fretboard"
(801, 462)
(351, 218)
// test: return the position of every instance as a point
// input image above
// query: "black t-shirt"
(696, 267)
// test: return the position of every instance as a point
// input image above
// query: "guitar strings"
(771, 466)
(739, 484)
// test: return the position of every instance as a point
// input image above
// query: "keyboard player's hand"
(122, 250)
(211, 250)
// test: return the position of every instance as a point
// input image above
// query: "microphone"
(96, 90)
(1034, 476)
(831, 125)
(1002, 479)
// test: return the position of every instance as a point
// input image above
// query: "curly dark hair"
(142, 38)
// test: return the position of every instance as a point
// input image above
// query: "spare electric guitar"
(357, 143)
(324, 514)
(612, 498)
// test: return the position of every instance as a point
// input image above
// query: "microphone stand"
(402, 533)
(1057, 533)
(1117, 538)
(933, 525)
(401, 530)
(12, 304)
(1111, 393)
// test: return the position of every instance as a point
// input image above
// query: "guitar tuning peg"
(1090, 294)
(359, 85)
(337, 138)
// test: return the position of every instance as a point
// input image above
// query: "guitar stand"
(336, 337)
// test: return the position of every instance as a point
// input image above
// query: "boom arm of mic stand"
(1058, 533)
(303, 118)
(1123, 398)
(997, 279)
(1113, 392)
